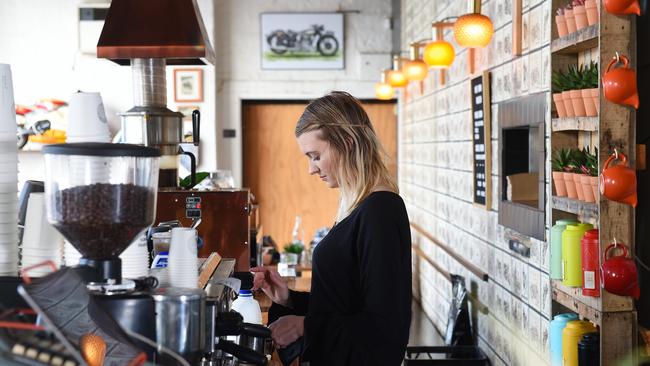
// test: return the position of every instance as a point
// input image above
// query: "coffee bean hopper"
(100, 196)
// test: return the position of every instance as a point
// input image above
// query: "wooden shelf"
(571, 297)
(575, 124)
(584, 39)
(585, 209)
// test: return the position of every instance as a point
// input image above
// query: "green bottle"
(556, 246)
(572, 255)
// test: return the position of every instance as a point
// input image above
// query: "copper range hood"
(169, 29)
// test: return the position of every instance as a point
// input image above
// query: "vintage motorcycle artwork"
(314, 39)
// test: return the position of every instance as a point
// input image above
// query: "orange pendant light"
(439, 54)
(473, 30)
(415, 69)
(383, 90)
(396, 77)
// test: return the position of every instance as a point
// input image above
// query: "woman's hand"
(287, 329)
(270, 281)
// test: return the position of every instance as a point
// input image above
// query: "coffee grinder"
(101, 196)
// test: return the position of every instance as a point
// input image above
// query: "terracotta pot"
(578, 104)
(618, 182)
(580, 16)
(593, 182)
(590, 107)
(619, 84)
(596, 99)
(560, 23)
(587, 193)
(578, 183)
(559, 105)
(591, 6)
(622, 7)
(558, 182)
(568, 106)
(570, 186)
(570, 20)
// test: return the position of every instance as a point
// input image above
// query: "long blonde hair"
(344, 124)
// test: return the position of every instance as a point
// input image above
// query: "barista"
(359, 308)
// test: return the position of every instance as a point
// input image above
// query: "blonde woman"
(359, 309)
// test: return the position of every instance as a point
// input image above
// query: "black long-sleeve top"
(359, 309)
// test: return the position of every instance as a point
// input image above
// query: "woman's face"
(321, 157)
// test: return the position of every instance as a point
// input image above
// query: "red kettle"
(618, 182)
(619, 273)
(619, 84)
(621, 7)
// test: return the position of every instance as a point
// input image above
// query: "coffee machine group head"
(100, 196)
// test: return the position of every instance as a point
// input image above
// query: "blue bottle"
(555, 336)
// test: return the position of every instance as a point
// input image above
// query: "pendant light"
(415, 69)
(396, 77)
(383, 90)
(439, 54)
(473, 30)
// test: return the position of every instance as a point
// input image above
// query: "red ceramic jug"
(619, 84)
(621, 7)
(618, 182)
(619, 273)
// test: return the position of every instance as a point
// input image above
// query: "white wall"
(240, 77)
(39, 39)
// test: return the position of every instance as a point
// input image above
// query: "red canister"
(590, 263)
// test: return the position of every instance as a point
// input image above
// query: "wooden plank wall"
(435, 167)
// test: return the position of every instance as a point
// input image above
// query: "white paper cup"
(7, 106)
(38, 231)
(86, 116)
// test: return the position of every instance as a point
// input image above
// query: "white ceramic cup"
(87, 118)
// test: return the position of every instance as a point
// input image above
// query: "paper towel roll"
(7, 107)
(87, 119)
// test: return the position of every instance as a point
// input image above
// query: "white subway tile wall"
(435, 177)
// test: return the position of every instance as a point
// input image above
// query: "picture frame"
(302, 41)
(188, 85)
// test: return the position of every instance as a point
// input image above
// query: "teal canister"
(555, 336)
(556, 246)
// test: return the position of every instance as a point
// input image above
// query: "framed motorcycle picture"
(293, 41)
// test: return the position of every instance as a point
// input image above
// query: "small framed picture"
(188, 85)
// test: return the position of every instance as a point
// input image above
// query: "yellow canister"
(571, 335)
(572, 254)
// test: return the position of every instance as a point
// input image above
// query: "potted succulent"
(560, 22)
(569, 18)
(591, 6)
(579, 14)
(590, 91)
(592, 166)
(577, 160)
(589, 171)
(566, 95)
(559, 163)
(577, 82)
(559, 80)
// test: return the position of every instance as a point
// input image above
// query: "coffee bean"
(100, 219)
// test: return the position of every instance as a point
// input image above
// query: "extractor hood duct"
(169, 29)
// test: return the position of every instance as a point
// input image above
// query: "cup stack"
(183, 258)
(87, 119)
(71, 255)
(41, 241)
(8, 176)
(135, 258)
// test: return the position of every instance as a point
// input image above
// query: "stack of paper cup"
(41, 241)
(183, 262)
(135, 258)
(8, 176)
(87, 119)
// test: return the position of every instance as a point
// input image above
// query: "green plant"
(295, 247)
(577, 160)
(561, 160)
(187, 181)
(590, 166)
(591, 75)
(576, 76)
(560, 81)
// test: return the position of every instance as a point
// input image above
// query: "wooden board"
(277, 172)
(207, 268)
(575, 123)
(578, 41)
